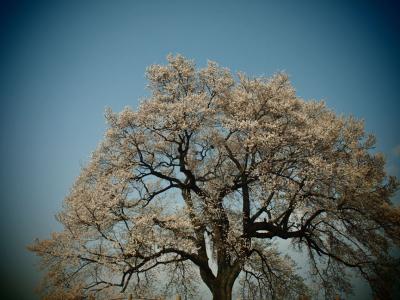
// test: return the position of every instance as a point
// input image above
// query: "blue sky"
(63, 62)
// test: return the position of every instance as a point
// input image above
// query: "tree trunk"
(222, 293)
(221, 285)
(222, 289)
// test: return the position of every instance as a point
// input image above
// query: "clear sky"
(63, 62)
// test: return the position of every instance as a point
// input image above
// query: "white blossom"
(214, 161)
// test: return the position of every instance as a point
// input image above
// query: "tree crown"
(207, 174)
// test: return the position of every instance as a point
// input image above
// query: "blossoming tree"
(203, 179)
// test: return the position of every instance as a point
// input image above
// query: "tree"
(203, 180)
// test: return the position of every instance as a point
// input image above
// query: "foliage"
(204, 178)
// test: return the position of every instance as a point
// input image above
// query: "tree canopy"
(206, 176)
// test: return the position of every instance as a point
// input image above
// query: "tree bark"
(222, 293)
(223, 284)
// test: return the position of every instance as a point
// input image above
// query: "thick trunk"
(222, 293)
(222, 287)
